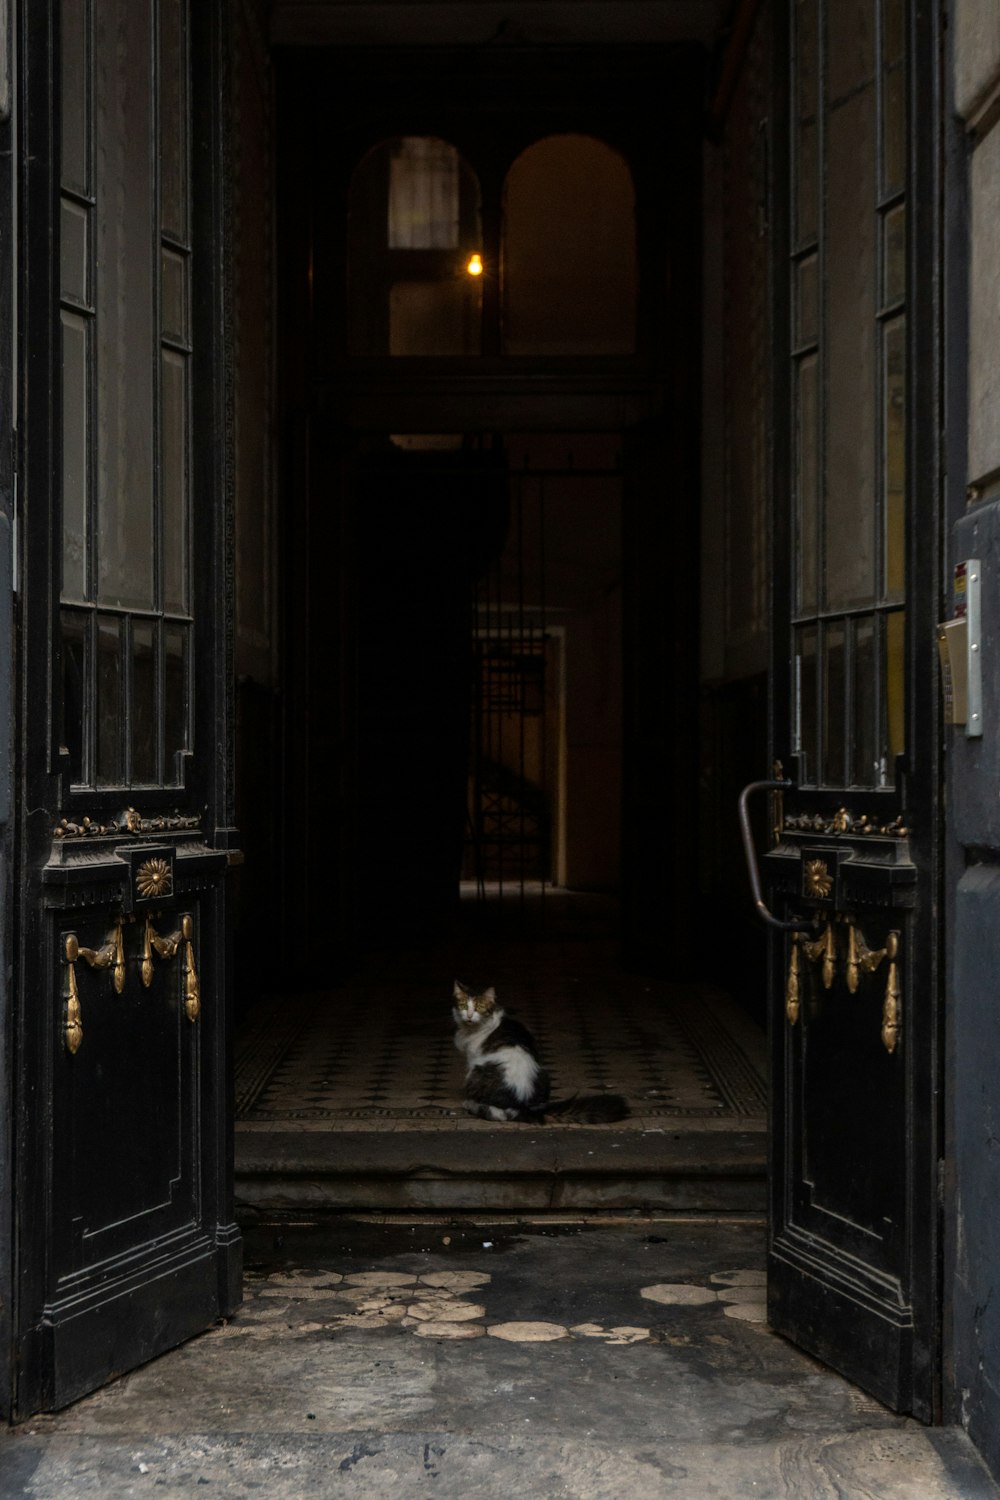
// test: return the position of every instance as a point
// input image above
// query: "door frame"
(8, 273)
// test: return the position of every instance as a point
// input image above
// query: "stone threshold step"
(529, 1171)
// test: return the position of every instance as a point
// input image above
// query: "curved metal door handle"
(751, 854)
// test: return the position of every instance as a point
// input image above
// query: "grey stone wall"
(973, 791)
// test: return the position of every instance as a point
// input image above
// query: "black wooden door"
(123, 1222)
(853, 1251)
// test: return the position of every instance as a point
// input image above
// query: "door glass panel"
(894, 460)
(834, 706)
(74, 660)
(849, 397)
(125, 303)
(849, 532)
(807, 476)
(143, 716)
(75, 453)
(894, 670)
(806, 142)
(893, 96)
(865, 770)
(850, 47)
(126, 388)
(894, 131)
(894, 30)
(175, 695)
(74, 45)
(110, 770)
(73, 258)
(807, 301)
(894, 255)
(805, 666)
(174, 444)
(568, 245)
(808, 183)
(173, 119)
(173, 296)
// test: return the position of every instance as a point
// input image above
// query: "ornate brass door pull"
(73, 1028)
(824, 947)
(860, 960)
(793, 988)
(110, 955)
(893, 1003)
(167, 948)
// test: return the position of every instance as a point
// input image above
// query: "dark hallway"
(352, 1098)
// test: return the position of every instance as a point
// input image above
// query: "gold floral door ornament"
(817, 882)
(153, 878)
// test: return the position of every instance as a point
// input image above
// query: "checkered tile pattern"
(380, 1047)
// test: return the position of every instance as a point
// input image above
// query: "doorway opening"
(492, 319)
(483, 653)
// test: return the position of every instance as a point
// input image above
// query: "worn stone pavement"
(601, 1361)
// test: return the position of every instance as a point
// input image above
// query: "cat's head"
(472, 1009)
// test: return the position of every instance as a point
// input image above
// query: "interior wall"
(973, 1018)
(256, 544)
(594, 744)
(734, 538)
(582, 592)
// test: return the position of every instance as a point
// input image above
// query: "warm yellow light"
(475, 265)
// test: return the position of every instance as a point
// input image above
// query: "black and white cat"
(505, 1078)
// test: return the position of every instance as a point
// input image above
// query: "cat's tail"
(588, 1109)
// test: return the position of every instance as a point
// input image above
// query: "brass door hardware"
(192, 988)
(793, 987)
(168, 948)
(774, 785)
(860, 960)
(817, 882)
(893, 1003)
(110, 955)
(822, 948)
(73, 1028)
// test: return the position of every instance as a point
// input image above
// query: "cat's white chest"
(471, 1042)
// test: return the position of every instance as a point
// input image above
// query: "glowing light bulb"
(474, 265)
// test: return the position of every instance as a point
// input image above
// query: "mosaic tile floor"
(378, 1051)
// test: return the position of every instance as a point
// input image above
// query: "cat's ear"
(490, 994)
(460, 991)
